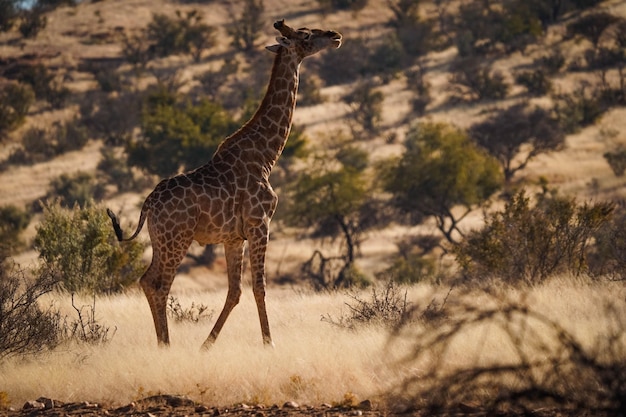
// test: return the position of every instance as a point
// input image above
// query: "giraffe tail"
(118, 229)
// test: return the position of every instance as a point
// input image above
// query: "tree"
(177, 134)
(592, 26)
(245, 28)
(439, 170)
(334, 200)
(414, 33)
(509, 131)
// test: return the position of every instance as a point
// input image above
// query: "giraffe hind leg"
(234, 264)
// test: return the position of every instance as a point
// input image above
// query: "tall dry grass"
(314, 361)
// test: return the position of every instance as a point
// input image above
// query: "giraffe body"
(229, 200)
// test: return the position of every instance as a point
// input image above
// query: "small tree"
(509, 131)
(334, 200)
(246, 27)
(177, 134)
(79, 248)
(592, 26)
(440, 169)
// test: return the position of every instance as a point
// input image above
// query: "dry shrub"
(25, 327)
(548, 366)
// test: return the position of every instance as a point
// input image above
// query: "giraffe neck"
(262, 139)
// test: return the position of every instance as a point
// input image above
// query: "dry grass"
(313, 361)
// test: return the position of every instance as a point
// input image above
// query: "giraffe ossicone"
(229, 200)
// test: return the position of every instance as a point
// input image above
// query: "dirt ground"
(177, 406)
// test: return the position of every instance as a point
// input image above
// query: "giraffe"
(229, 200)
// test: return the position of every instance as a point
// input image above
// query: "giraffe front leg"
(234, 265)
(258, 247)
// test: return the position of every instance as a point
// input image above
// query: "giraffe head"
(304, 42)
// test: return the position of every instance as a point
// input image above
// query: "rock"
(48, 403)
(365, 405)
(291, 404)
(356, 413)
(33, 405)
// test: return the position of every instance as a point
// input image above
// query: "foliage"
(518, 134)
(524, 243)
(579, 108)
(414, 33)
(592, 26)
(79, 189)
(617, 160)
(367, 105)
(330, 199)
(24, 326)
(113, 118)
(332, 5)
(185, 34)
(177, 134)
(79, 248)
(536, 82)
(478, 81)
(417, 83)
(33, 21)
(8, 14)
(346, 67)
(114, 167)
(607, 257)
(15, 101)
(13, 221)
(40, 145)
(483, 27)
(45, 84)
(334, 199)
(245, 28)
(440, 169)
(410, 269)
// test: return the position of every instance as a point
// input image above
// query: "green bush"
(185, 34)
(78, 246)
(527, 244)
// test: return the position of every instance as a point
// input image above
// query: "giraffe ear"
(273, 48)
(282, 42)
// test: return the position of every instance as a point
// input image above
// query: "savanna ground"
(329, 361)
(552, 349)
